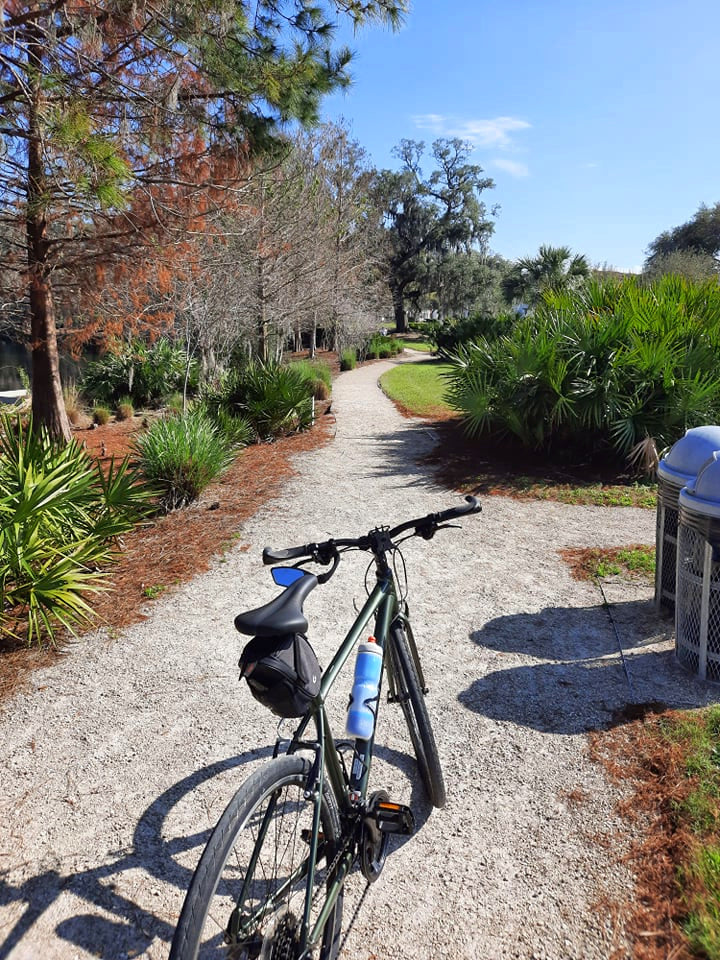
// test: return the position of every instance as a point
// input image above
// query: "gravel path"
(121, 757)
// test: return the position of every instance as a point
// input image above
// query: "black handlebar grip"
(270, 555)
(471, 506)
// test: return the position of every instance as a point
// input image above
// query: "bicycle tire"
(219, 878)
(412, 700)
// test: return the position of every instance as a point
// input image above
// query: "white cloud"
(481, 133)
(513, 167)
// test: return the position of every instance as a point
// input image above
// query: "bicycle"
(270, 882)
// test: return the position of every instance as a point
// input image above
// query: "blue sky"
(598, 121)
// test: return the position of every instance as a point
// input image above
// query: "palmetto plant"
(615, 363)
(145, 373)
(275, 398)
(59, 519)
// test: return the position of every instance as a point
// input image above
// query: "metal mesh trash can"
(697, 609)
(676, 470)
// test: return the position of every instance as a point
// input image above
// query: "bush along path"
(119, 758)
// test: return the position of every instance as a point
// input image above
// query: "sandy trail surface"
(119, 759)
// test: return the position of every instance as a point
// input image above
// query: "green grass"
(696, 736)
(418, 388)
(632, 562)
(702, 926)
(626, 562)
(421, 345)
(152, 593)
(638, 560)
(595, 494)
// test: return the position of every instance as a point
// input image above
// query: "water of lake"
(14, 355)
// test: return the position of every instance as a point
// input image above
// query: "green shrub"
(147, 373)
(451, 334)
(275, 398)
(379, 346)
(101, 414)
(348, 359)
(125, 409)
(59, 517)
(181, 455)
(621, 365)
(238, 430)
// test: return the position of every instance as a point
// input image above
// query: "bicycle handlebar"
(325, 552)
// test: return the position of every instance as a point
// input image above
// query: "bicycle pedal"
(393, 817)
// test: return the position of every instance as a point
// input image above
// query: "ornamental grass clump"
(101, 414)
(60, 517)
(348, 359)
(125, 409)
(181, 455)
(317, 375)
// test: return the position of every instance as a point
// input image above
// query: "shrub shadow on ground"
(401, 454)
(577, 681)
(154, 857)
(431, 453)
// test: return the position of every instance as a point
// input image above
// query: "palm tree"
(554, 268)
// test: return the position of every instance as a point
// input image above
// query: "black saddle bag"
(283, 673)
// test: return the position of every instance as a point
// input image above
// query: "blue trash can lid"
(702, 495)
(683, 461)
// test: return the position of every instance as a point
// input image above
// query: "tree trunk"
(313, 336)
(262, 324)
(48, 406)
(398, 309)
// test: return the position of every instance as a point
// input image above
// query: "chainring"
(373, 846)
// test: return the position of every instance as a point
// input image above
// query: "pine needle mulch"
(634, 755)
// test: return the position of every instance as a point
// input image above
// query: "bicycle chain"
(349, 838)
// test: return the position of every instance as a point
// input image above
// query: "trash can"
(676, 470)
(697, 608)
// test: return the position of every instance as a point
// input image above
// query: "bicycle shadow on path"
(153, 854)
(575, 681)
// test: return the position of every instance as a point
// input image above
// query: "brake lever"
(324, 577)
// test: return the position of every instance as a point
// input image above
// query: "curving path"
(120, 759)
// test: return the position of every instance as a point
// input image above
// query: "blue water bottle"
(365, 691)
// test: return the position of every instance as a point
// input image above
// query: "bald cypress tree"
(120, 118)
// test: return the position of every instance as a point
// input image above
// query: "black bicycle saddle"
(284, 614)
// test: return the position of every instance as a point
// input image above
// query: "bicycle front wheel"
(412, 700)
(247, 897)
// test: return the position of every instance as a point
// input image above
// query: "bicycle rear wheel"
(254, 869)
(412, 700)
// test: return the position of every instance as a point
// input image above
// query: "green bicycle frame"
(383, 605)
